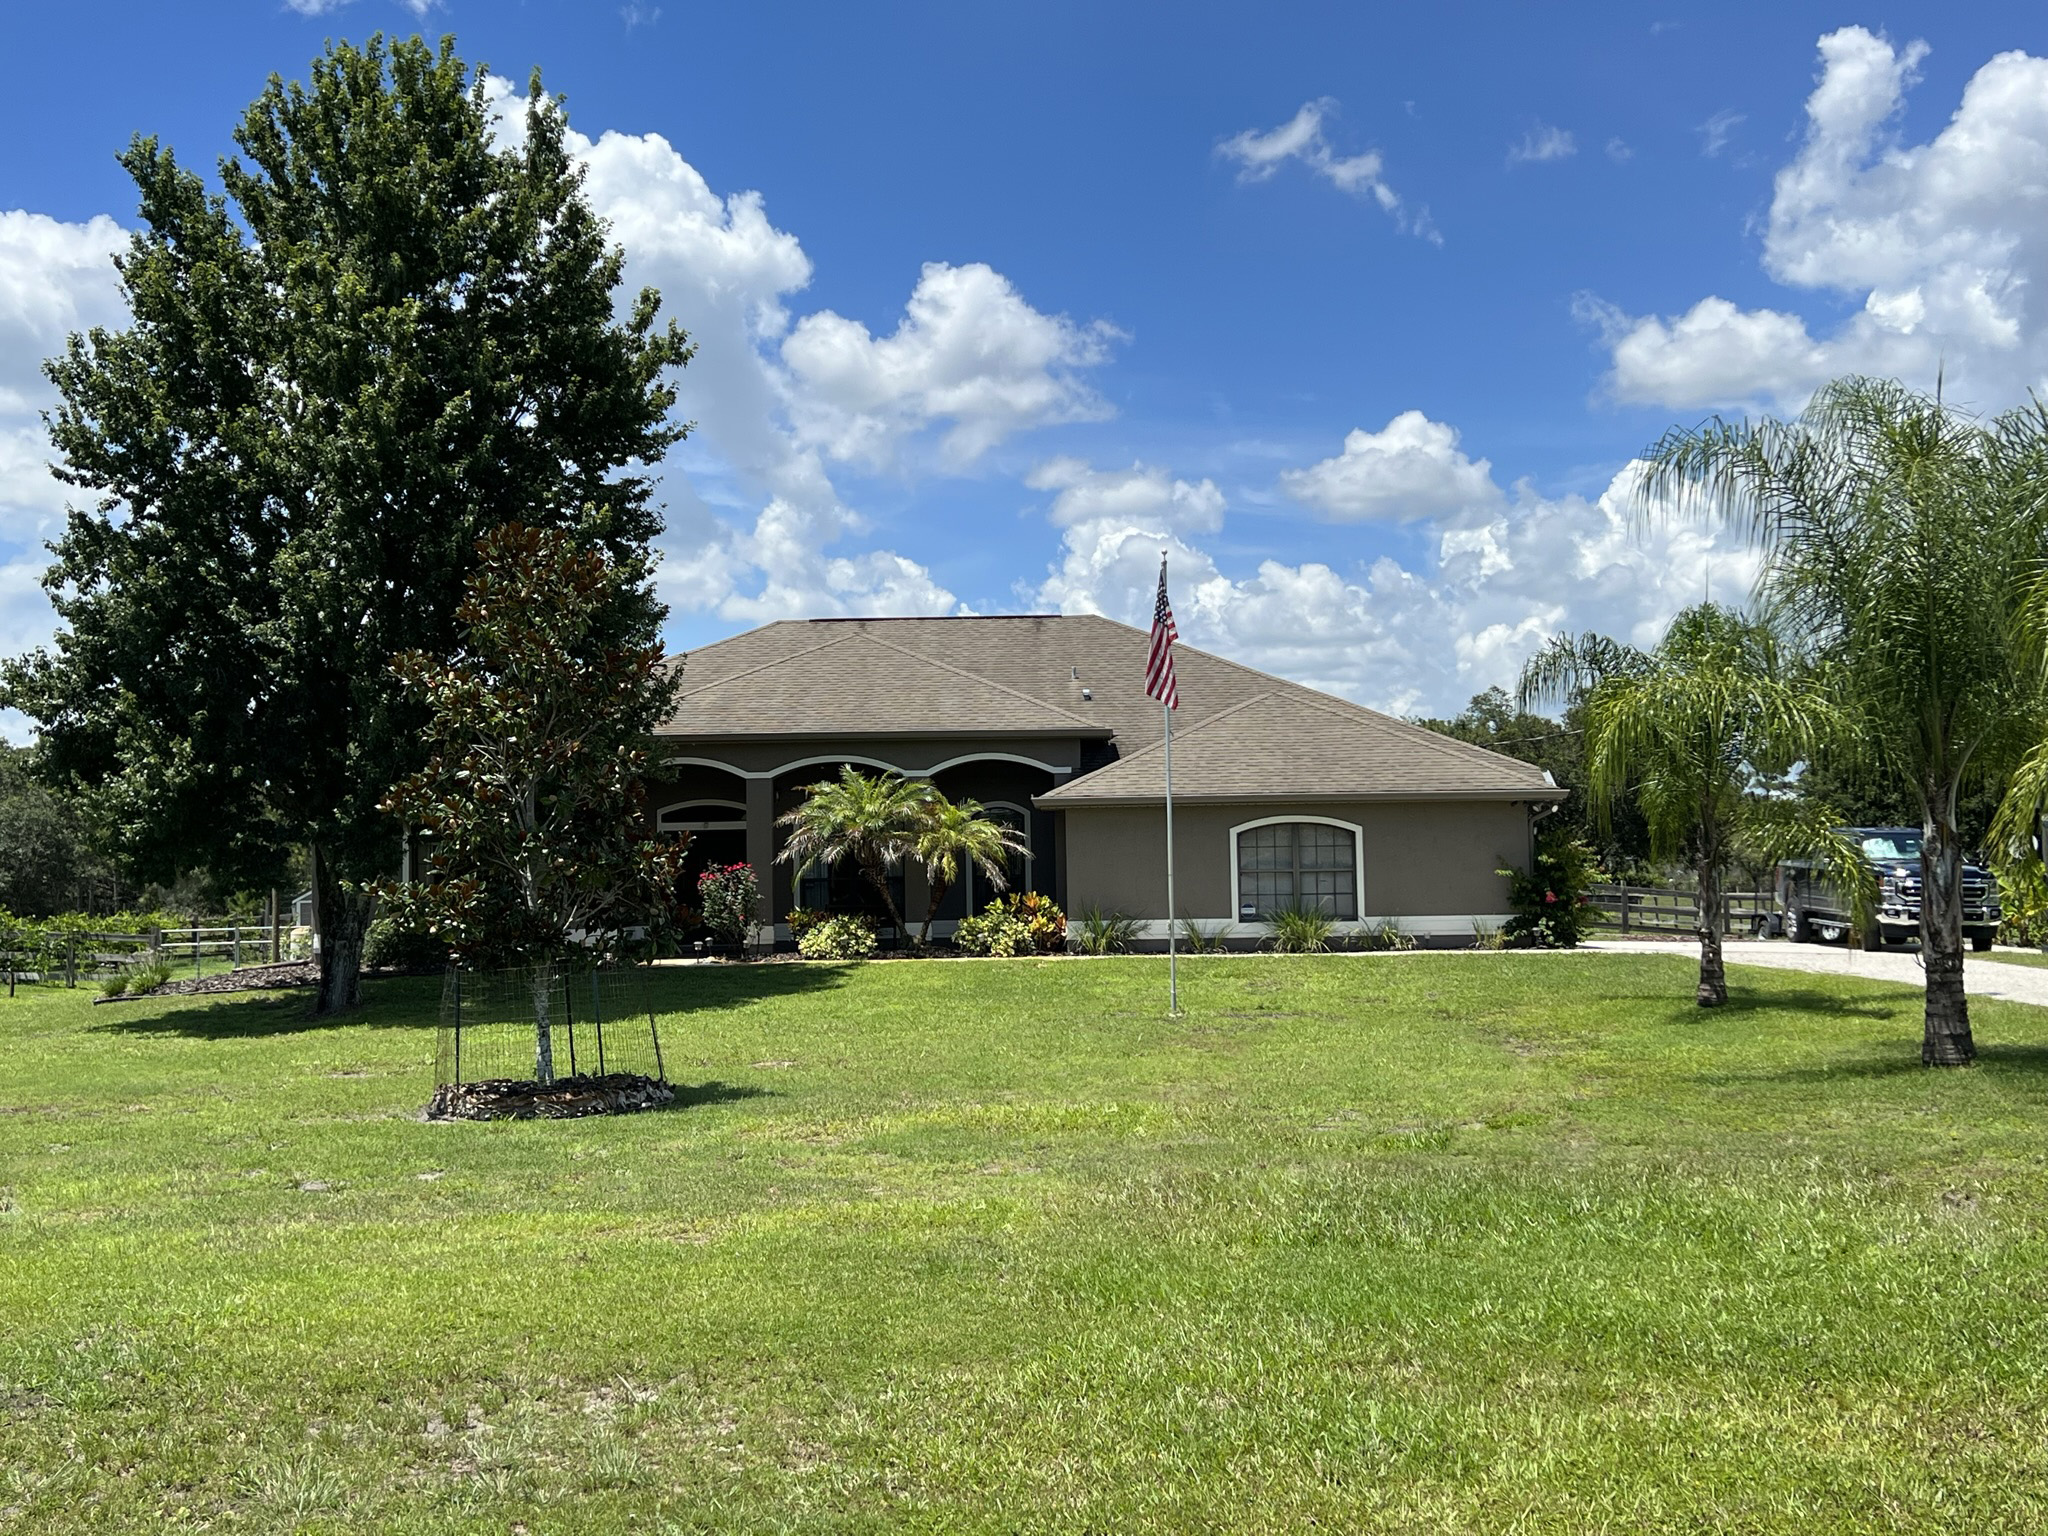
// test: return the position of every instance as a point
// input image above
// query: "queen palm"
(1689, 727)
(872, 819)
(957, 832)
(1899, 541)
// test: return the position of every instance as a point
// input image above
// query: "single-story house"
(1282, 795)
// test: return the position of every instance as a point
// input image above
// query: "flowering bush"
(837, 938)
(995, 932)
(1553, 909)
(729, 895)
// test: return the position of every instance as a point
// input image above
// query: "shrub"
(837, 938)
(1389, 935)
(729, 895)
(390, 944)
(1106, 933)
(145, 979)
(114, 985)
(1040, 913)
(1198, 940)
(995, 932)
(1302, 930)
(1552, 900)
(1487, 935)
(802, 920)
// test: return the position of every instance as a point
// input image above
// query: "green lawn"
(1406, 1243)
(2015, 957)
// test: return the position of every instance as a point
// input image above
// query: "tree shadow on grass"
(700, 1095)
(414, 1002)
(1743, 1002)
(1901, 1058)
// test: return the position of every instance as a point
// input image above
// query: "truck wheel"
(1796, 931)
(1981, 942)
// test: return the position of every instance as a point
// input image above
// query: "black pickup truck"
(1816, 910)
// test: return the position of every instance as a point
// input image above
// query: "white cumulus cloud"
(1503, 573)
(970, 355)
(1412, 468)
(1944, 244)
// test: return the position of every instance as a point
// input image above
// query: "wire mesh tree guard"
(548, 1041)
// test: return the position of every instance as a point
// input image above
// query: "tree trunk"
(1947, 1041)
(1709, 919)
(939, 889)
(345, 914)
(879, 879)
(543, 979)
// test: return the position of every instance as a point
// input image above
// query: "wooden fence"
(48, 954)
(1661, 909)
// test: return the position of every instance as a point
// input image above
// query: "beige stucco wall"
(1421, 859)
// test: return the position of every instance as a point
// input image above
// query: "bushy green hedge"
(837, 938)
(994, 932)
(389, 944)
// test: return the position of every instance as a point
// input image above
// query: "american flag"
(1159, 679)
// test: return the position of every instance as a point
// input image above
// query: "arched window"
(1281, 865)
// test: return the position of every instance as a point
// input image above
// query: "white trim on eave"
(1056, 769)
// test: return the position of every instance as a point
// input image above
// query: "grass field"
(1405, 1243)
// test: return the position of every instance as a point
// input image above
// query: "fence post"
(195, 951)
(274, 933)
(1624, 906)
(597, 1017)
(236, 940)
(71, 960)
(569, 1018)
(654, 1034)
(458, 1028)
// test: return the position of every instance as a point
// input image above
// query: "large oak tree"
(395, 330)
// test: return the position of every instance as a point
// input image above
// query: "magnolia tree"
(532, 790)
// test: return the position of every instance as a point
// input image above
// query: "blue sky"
(1362, 311)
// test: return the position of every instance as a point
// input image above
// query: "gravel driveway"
(1981, 978)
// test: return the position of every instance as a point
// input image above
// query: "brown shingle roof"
(1282, 746)
(853, 683)
(844, 677)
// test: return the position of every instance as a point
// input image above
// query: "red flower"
(1550, 896)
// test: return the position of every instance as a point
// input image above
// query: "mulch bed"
(566, 1098)
(250, 978)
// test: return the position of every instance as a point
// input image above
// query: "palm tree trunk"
(939, 889)
(878, 877)
(1708, 921)
(1947, 1041)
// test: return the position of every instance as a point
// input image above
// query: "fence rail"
(1664, 909)
(47, 954)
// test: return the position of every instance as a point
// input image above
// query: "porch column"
(761, 841)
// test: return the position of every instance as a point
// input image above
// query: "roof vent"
(1088, 693)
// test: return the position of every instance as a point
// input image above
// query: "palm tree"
(1900, 539)
(872, 819)
(961, 830)
(1689, 727)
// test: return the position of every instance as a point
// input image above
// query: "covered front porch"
(730, 805)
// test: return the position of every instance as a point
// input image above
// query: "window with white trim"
(1304, 864)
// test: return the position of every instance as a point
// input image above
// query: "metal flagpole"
(1172, 949)
(1172, 953)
